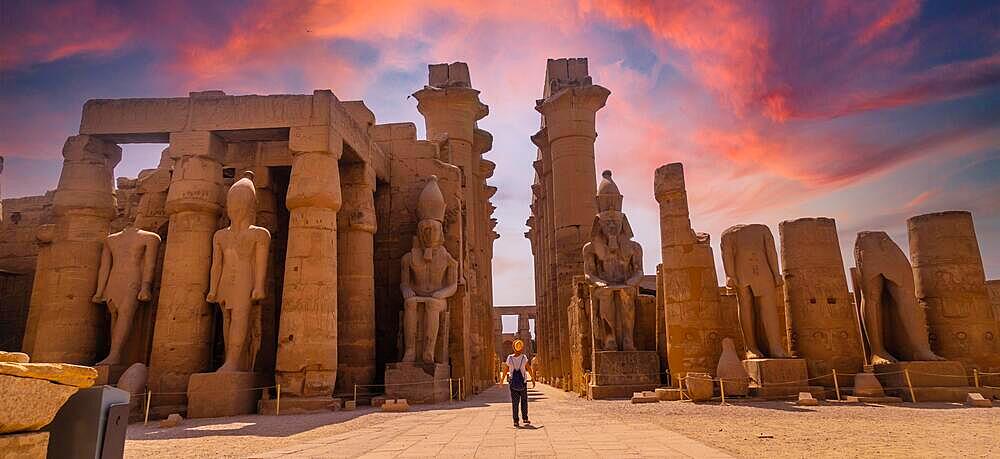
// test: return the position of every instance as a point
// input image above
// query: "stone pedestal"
(297, 405)
(25, 445)
(108, 375)
(417, 382)
(619, 374)
(933, 381)
(213, 395)
(778, 377)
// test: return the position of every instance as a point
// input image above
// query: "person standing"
(519, 368)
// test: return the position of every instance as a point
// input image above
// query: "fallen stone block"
(395, 405)
(975, 399)
(644, 397)
(668, 394)
(16, 357)
(806, 399)
(350, 405)
(29, 404)
(61, 373)
(700, 386)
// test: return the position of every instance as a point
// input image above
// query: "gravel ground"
(781, 429)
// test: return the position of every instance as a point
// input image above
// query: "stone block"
(626, 367)
(668, 394)
(173, 420)
(417, 382)
(295, 405)
(60, 373)
(24, 445)
(395, 405)
(108, 375)
(778, 376)
(29, 404)
(806, 399)
(975, 399)
(867, 385)
(645, 397)
(212, 395)
(699, 386)
(943, 373)
(16, 357)
(350, 405)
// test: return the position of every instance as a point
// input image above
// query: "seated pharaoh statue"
(429, 277)
(239, 269)
(612, 263)
(125, 278)
(895, 324)
(751, 264)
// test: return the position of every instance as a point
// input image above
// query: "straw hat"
(518, 345)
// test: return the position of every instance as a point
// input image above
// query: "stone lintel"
(315, 139)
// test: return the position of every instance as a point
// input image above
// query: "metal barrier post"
(355, 395)
(722, 389)
(975, 375)
(913, 396)
(836, 384)
(277, 402)
(149, 398)
(451, 390)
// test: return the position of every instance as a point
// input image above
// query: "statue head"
(241, 201)
(610, 224)
(430, 209)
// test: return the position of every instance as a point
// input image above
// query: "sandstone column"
(694, 320)
(182, 336)
(356, 278)
(307, 335)
(822, 320)
(69, 327)
(951, 284)
(570, 121)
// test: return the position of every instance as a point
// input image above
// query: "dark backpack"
(517, 381)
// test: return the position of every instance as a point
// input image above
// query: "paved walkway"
(482, 427)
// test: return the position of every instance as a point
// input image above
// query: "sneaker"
(517, 424)
(527, 422)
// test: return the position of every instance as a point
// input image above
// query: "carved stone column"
(307, 336)
(356, 228)
(69, 326)
(182, 336)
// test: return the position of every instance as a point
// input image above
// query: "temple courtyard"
(568, 426)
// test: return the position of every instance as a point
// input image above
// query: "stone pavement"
(482, 427)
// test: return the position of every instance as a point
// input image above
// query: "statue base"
(932, 380)
(418, 382)
(213, 395)
(108, 375)
(619, 374)
(298, 405)
(779, 378)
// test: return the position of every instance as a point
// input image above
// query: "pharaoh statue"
(239, 267)
(894, 323)
(612, 263)
(128, 261)
(751, 264)
(429, 276)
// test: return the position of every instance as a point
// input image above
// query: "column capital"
(487, 167)
(93, 149)
(572, 111)
(482, 141)
(668, 181)
(452, 110)
(196, 182)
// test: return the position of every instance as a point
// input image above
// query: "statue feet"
(227, 368)
(927, 355)
(109, 360)
(754, 354)
(882, 358)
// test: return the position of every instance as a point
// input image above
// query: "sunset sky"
(865, 111)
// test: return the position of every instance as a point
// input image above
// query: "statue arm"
(728, 260)
(452, 281)
(103, 273)
(404, 278)
(636, 267)
(216, 273)
(772, 258)
(150, 251)
(590, 267)
(261, 251)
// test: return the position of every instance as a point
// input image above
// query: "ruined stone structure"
(524, 314)
(336, 191)
(561, 220)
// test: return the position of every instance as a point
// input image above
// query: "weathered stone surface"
(417, 382)
(30, 404)
(751, 263)
(133, 380)
(867, 385)
(645, 397)
(778, 376)
(731, 372)
(941, 373)
(395, 405)
(667, 394)
(62, 373)
(296, 405)
(223, 393)
(619, 367)
(975, 399)
(806, 399)
(350, 405)
(699, 386)
(14, 357)
(173, 420)
(24, 445)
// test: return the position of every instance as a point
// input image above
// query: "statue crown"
(608, 195)
(430, 204)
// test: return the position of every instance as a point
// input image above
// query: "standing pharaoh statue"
(751, 264)
(239, 267)
(894, 323)
(429, 276)
(612, 263)
(125, 277)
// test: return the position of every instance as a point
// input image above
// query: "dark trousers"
(519, 397)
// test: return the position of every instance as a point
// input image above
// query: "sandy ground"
(744, 429)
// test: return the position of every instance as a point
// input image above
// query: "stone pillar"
(688, 285)
(182, 336)
(524, 333)
(267, 217)
(307, 335)
(951, 284)
(69, 326)
(822, 320)
(356, 279)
